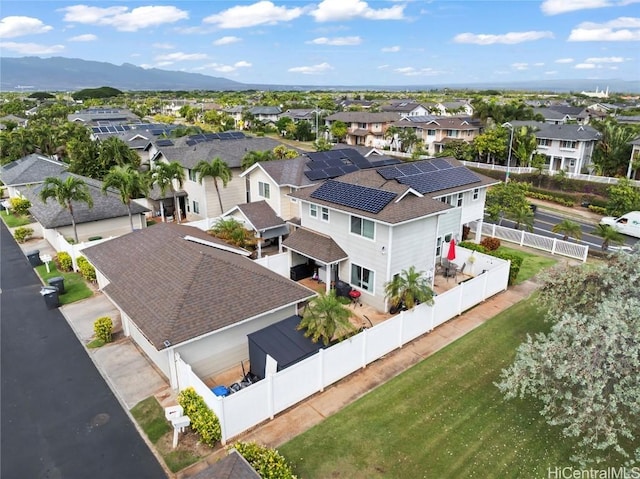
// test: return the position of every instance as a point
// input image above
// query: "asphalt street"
(59, 418)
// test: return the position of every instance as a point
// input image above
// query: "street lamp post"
(506, 179)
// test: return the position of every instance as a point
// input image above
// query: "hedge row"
(516, 260)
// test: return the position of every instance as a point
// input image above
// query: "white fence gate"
(263, 400)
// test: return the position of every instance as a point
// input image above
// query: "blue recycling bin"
(220, 391)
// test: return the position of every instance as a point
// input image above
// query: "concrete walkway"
(133, 378)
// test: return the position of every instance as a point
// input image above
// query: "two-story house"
(200, 199)
(405, 108)
(266, 114)
(103, 116)
(436, 131)
(364, 227)
(567, 147)
(364, 128)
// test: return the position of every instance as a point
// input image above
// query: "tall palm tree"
(129, 182)
(608, 235)
(522, 216)
(408, 288)
(326, 318)
(164, 175)
(65, 192)
(254, 157)
(568, 228)
(216, 169)
(391, 133)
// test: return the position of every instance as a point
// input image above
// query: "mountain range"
(72, 74)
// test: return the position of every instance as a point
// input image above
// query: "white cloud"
(312, 69)
(180, 57)
(622, 29)
(551, 72)
(554, 7)
(340, 10)
(383, 67)
(11, 27)
(412, 71)
(88, 37)
(163, 64)
(337, 41)
(520, 66)
(261, 13)
(392, 49)
(585, 66)
(538, 64)
(163, 46)
(31, 48)
(123, 19)
(227, 40)
(604, 60)
(222, 68)
(565, 60)
(507, 38)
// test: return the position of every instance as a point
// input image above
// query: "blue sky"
(339, 42)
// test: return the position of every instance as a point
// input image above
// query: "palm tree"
(164, 174)
(568, 228)
(325, 317)
(608, 235)
(408, 288)
(129, 182)
(522, 216)
(216, 169)
(254, 157)
(66, 191)
(391, 133)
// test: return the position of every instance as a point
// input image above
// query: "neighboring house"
(566, 147)
(367, 226)
(138, 141)
(108, 216)
(452, 108)
(104, 116)
(360, 104)
(21, 122)
(405, 108)
(24, 173)
(181, 291)
(553, 116)
(364, 128)
(266, 114)
(437, 132)
(260, 218)
(273, 181)
(200, 200)
(301, 114)
(634, 173)
(235, 112)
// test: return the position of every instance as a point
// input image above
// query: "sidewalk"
(132, 377)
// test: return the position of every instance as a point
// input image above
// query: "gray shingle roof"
(261, 215)
(315, 245)
(364, 117)
(288, 172)
(408, 208)
(561, 132)
(105, 206)
(30, 169)
(230, 151)
(175, 289)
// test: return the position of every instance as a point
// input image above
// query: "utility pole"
(506, 180)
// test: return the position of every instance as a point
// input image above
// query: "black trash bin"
(50, 295)
(34, 258)
(58, 283)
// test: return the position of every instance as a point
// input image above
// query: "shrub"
(601, 210)
(267, 462)
(473, 246)
(22, 234)
(491, 244)
(64, 261)
(516, 263)
(20, 206)
(87, 271)
(203, 420)
(103, 328)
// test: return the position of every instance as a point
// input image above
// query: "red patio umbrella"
(451, 255)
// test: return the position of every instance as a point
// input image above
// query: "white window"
(313, 210)
(324, 213)
(438, 246)
(362, 227)
(193, 175)
(459, 200)
(476, 193)
(570, 145)
(263, 189)
(544, 142)
(196, 208)
(431, 132)
(362, 278)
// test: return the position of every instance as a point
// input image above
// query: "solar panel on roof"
(334, 161)
(317, 155)
(237, 135)
(440, 179)
(349, 168)
(317, 164)
(426, 167)
(353, 196)
(334, 171)
(211, 136)
(95, 129)
(191, 142)
(408, 169)
(441, 164)
(384, 162)
(335, 154)
(164, 143)
(315, 175)
(389, 173)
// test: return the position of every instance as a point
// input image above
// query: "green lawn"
(13, 221)
(74, 284)
(443, 418)
(532, 264)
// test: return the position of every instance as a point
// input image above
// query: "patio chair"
(459, 270)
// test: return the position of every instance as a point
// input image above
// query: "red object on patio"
(354, 294)
(451, 255)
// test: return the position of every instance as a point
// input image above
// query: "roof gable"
(30, 169)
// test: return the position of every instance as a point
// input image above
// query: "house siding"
(412, 246)
(206, 196)
(105, 228)
(159, 358)
(275, 199)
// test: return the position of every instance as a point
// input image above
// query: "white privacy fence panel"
(278, 263)
(261, 401)
(524, 238)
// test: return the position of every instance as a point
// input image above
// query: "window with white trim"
(459, 197)
(438, 246)
(362, 277)
(569, 145)
(313, 210)
(196, 208)
(193, 175)
(324, 213)
(544, 142)
(263, 189)
(476, 193)
(362, 227)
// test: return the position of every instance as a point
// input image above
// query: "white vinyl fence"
(524, 238)
(59, 243)
(254, 404)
